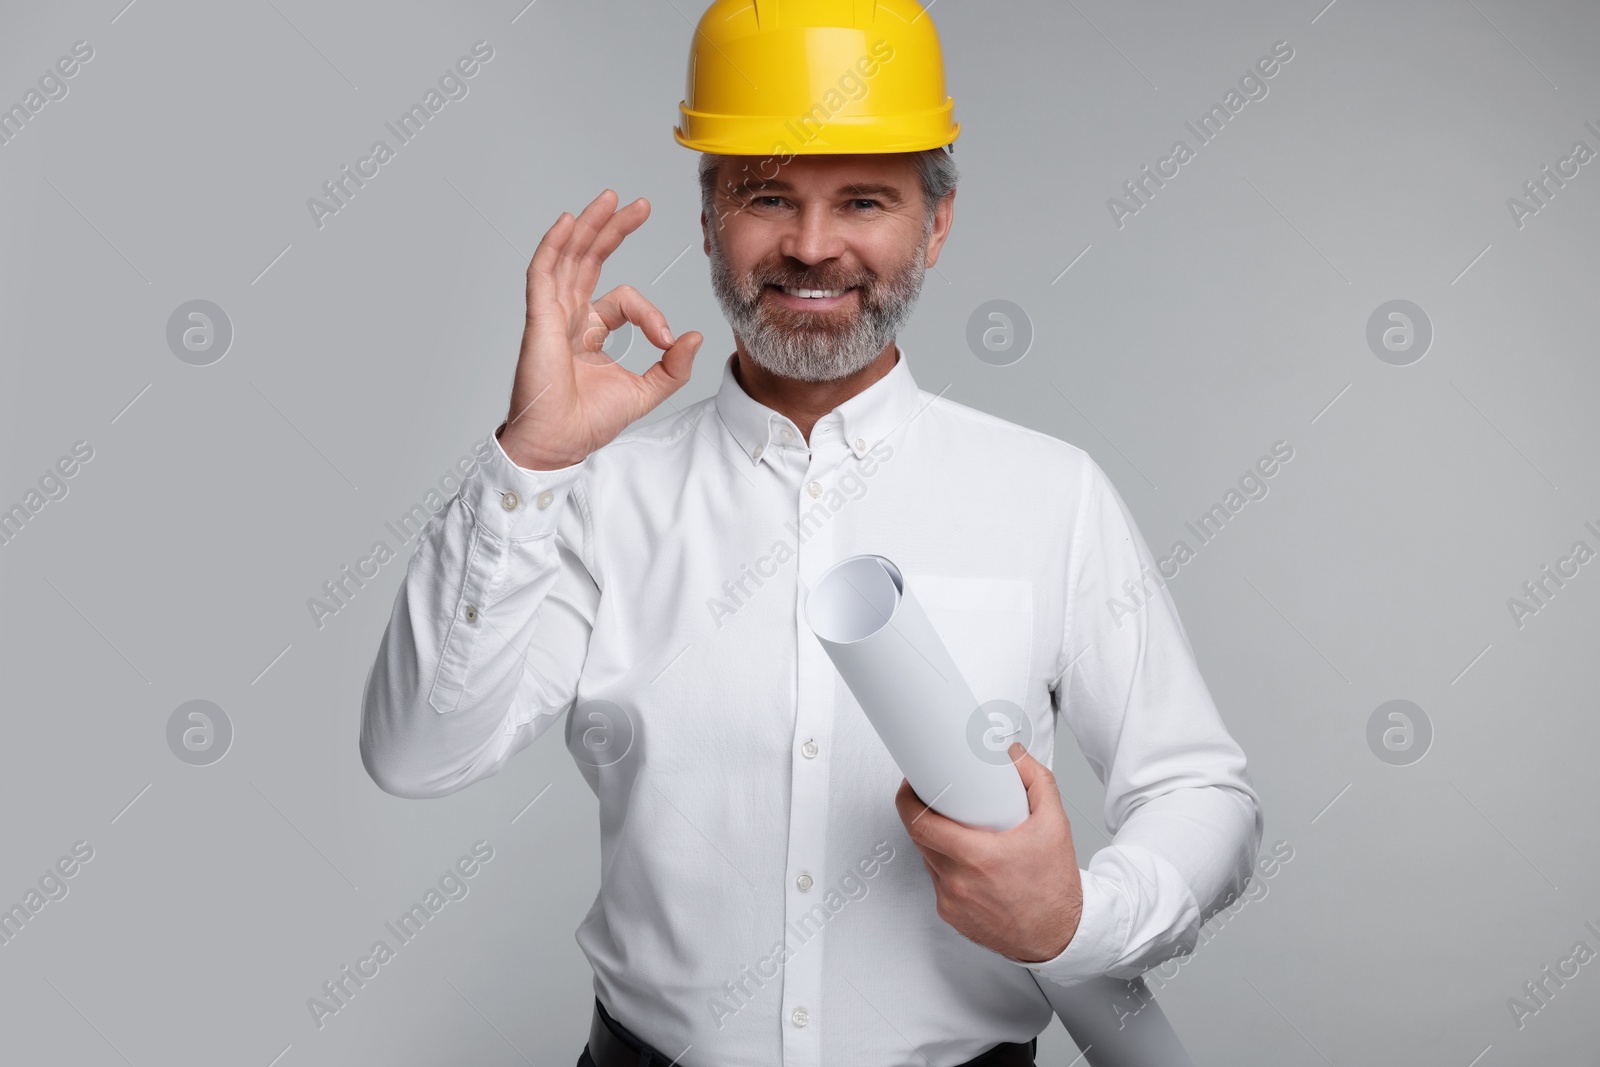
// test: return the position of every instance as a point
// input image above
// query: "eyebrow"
(885, 192)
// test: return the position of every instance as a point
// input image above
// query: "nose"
(812, 236)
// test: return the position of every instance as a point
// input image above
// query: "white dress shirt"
(760, 900)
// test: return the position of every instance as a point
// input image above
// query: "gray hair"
(935, 167)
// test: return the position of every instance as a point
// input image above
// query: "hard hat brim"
(786, 135)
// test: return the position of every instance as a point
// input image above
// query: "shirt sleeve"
(1185, 818)
(489, 631)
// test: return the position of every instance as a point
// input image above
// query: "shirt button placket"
(808, 802)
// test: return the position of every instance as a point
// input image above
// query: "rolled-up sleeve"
(1186, 820)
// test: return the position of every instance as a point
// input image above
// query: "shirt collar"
(861, 421)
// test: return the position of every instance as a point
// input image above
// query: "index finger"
(622, 222)
(914, 812)
(627, 304)
(935, 832)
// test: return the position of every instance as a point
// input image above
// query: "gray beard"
(784, 343)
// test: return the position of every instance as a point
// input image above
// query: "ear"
(943, 218)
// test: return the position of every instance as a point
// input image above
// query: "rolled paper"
(867, 618)
(902, 675)
(1116, 1023)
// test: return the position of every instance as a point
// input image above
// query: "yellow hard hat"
(805, 77)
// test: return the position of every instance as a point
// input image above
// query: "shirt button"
(544, 499)
(810, 749)
(804, 882)
(509, 501)
(788, 434)
(472, 613)
(757, 453)
(861, 444)
(814, 488)
(800, 1016)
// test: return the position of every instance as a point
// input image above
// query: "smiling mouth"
(795, 296)
(812, 294)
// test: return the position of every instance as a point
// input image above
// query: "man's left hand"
(1017, 891)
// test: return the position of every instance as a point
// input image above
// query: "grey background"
(368, 355)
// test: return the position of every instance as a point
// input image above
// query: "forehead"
(823, 175)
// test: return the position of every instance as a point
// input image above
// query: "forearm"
(1175, 860)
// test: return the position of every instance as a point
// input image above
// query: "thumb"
(1036, 777)
(671, 372)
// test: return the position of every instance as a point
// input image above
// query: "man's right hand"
(569, 397)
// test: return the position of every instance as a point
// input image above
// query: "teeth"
(813, 294)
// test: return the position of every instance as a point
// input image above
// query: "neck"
(803, 402)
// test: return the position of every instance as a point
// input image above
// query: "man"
(759, 903)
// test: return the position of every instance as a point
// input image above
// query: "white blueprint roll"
(869, 622)
(889, 655)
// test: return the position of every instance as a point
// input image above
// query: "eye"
(761, 201)
(865, 200)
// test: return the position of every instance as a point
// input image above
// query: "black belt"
(613, 1045)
